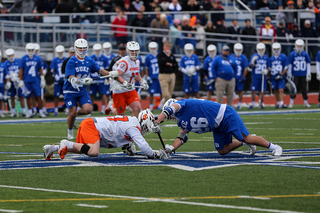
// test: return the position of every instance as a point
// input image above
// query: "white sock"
(13, 110)
(239, 103)
(70, 131)
(278, 102)
(151, 106)
(56, 148)
(44, 109)
(30, 111)
(253, 103)
(243, 143)
(111, 106)
(0, 111)
(56, 109)
(103, 107)
(23, 110)
(40, 110)
(281, 103)
(272, 146)
(34, 109)
(70, 145)
(291, 101)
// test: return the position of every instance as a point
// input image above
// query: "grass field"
(195, 179)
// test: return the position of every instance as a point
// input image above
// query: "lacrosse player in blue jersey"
(31, 76)
(59, 77)
(12, 66)
(300, 70)
(108, 51)
(152, 73)
(318, 72)
(78, 69)
(189, 66)
(3, 74)
(259, 63)
(102, 85)
(279, 66)
(206, 70)
(201, 116)
(240, 64)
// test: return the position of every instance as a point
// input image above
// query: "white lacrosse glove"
(106, 81)
(149, 80)
(14, 77)
(161, 154)
(21, 84)
(169, 149)
(129, 149)
(56, 77)
(254, 59)
(8, 85)
(128, 85)
(87, 81)
(144, 85)
(155, 128)
(190, 72)
(76, 83)
(113, 74)
(308, 77)
(42, 82)
(318, 76)
(264, 72)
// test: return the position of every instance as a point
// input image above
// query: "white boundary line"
(91, 206)
(152, 199)
(12, 211)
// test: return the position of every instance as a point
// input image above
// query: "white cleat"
(29, 115)
(70, 136)
(48, 151)
(307, 105)
(2, 115)
(13, 114)
(252, 149)
(290, 106)
(277, 151)
(42, 115)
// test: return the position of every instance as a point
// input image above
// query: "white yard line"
(91, 206)
(153, 199)
(12, 211)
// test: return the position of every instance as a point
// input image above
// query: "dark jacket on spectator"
(64, 7)
(234, 31)
(282, 32)
(136, 22)
(163, 59)
(296, 32)
(309, 33)
(249, 32)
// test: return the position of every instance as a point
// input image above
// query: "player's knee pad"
(85, 149)
(183, 137)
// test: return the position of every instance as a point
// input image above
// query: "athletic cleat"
(34, 114)
(261, 105)
(63, 148)
(108, 110)
(88, 115)
(13, 114)
(307, 105)
(284, 106)
(46, 113)
(238, 107)
(102, 112)
(70, 136)
(42, 115)
(277, 151)
(23, 114)
(290, 106)
(48, 151)
(29, 115)
(319, 105)
(2, 115)
(278, 106)
(251, 107)
(252, 149)
(55, 114)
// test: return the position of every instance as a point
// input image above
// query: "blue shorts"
(211, 87)
(239, 85)
(34, 88)
(280, 84)
(71, 99)
(101, 88)
(13, 91)
(2, 92)
(231, 125)
(58, 89)
(138, 89)
(256, 84)
(192, 86)
(155, 87)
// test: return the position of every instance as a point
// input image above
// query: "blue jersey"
(152, 65)
(141, 64)
(262, 63)
(80, 69)
(190, 62)
(278, 64)
(31, 67)
(207, 66)
(102, 61)
(55, 66)
(197, 115)
(110, 57)
(222, 68)
(299, 63)
(239, 64)
(12, 67)
(3, 73)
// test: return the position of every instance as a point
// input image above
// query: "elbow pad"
(168, 111)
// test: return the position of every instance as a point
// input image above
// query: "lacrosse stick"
(102, 77)
(116, 86)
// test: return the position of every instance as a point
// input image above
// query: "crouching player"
(208, 116)
(110, 132)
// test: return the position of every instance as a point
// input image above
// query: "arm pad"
(168, 111)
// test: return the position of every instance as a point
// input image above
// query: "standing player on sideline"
(201, 116)
(3, 73)
(152, 73)
(12, 66)
(124, 93)
(31, 76)
(318, 73)
(300, 70)
(108, 51)
(240, 64)
(189, 65)
(206, 70)
(279, 66)
(102, 86)
(260, 63)
(110, 132)
(78, 69)
(59, 77)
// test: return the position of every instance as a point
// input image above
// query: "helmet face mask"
(299, 45)
(212, 50)
(107, 48)
(276, 48)
(30, 49)
(261, 48)
(36, 48)
(133, 50)
(238, 48)
(81, 47)
(169, 102)
(10, 54)
(60, 51)
(188, 49)
(146, 118)
(97, 50)
(153, 48)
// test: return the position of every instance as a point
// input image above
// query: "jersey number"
(32, 71)
(259, 68)
(199, 126)
(299, 66)
(276, 69)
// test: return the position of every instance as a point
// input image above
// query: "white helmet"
(60, 50)
(261, 48)
(133, 50)
(107, 48)
(146, 118)
(212, 50)
(153, 47)
(36, 48)
(168, 104)
(10, 54)
(238, 48)
(30, 48)
(276, 48)
(97, 49)
(81, 47)
(299, 44)
(188, 49)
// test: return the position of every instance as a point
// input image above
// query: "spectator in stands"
(281, 31)
(249, 49)
(296, 32)
(207, 5)
(235, 31)
(64, 7)
(81, 7)
(267, 35)
(137, 5)
(175, 35)
(24, 6)
(299, 4)
(192, 6)
(220, 28)
(140, 21)
(174, 6)
(155, 24)
(267, 5)
(209, 28)
(290, 16)
(154, 6)
(281, 16)
(164, 25)
(120, 33)
(96, 7)
(216, 16)
(251, 3)
(310, 32)
(200, 46)
(48, 5)
(312, 9)
(107, 6)
(127, 9)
